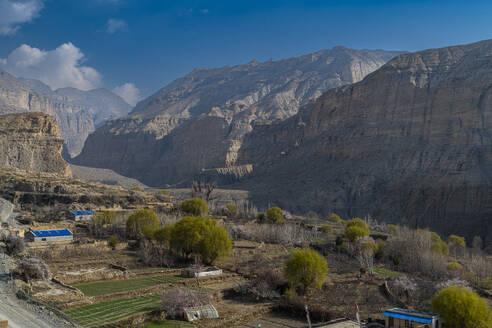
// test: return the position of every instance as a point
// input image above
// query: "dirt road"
(19, 313)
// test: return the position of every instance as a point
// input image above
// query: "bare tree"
(175, 300)
(33, 268)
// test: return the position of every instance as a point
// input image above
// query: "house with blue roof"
(48, 235)
(403, 318)
(82, 215)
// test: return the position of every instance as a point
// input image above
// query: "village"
(97, 273)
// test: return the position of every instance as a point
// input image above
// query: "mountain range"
(77, 112)
(197, 123)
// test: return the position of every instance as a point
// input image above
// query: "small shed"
(201, 272)
(396, 318)
(82, 215)
(201, 312)
(48, 235)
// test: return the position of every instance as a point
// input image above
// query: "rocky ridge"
(31, 142)
(198, 122)
(77, 112)
(411, 143)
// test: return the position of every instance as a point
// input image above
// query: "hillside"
(76, 112)
(198, 122)
(410, 143)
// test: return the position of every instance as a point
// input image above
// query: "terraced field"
(95, 315)
(116, 286)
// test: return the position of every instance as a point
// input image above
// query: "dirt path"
(19, 313)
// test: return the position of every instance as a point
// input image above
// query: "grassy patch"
(385, 273)
(116, 286)
(169, 324)
(100, 313)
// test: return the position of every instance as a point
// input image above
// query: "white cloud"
(129, 92)
(115, 25)
(16, 12)
(58, 68)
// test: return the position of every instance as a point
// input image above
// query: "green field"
(385, 273)
(100, 313)
(116, 286)
(169, 324)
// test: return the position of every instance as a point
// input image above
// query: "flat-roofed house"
(48, 235)
(403, 318)
(82, 215)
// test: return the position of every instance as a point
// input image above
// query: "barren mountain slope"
(410, 143)
(198, 122)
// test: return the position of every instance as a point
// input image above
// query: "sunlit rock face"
(411, 143)
(196, 124)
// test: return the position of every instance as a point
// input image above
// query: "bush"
(275, 215)
(440, 247)
(113, 241)
(306, 269)
(455, 267)
(142, 222)
(175, 300)
(163, 234)
(33, 268)
(457, 241)
(231, 209)
(356, 222)
(392, 228)
(104, 217)
(14, 245)
(201, 236)
(165, 192)
(355, 232)
(326, 228)
(335, 218)
(194, 206)
(137, 189)
(462, 308)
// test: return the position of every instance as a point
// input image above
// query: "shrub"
(163, 234)
(231, 209)
(326, 228)
(335, 218)
(33, 268)
(175, 300)
(194, 206)
(392, 228)
(137, 189)
(165, 192)
(306, 268)
(440, 247)
(455, 266)
(457, 241)
(275, 215)
(354, 232)
(113, 241)
(462, 308)
(142, 222)
(14, 245)
(104, 217)
(201, 236)
(356, 222)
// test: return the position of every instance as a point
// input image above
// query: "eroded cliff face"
(197, 123)
(411, 143)
(31, 142)
(77, 112)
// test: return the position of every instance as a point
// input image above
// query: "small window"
(408, 324)
(43, 239)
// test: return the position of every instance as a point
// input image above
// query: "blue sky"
(150, 43)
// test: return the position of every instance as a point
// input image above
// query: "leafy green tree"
(201, 236)
(335, 218)
(355, 229)
(275, 215)
(456, 240)
(440, 247)
(455, 267)
(142, 222)
(113, 241)
(326, 228)
(215, 245)
(194, 206)
(104, 217)
(163, 234)
(462, 308)
(306, 268)
(231, 209)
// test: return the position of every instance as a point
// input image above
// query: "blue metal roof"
(90, 212)
(407, 317)
(52, 233)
